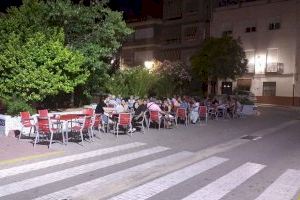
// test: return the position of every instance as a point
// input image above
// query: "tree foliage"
(59, 37)
(39, 66)
(219, 58)
(173, 77)
(134, 81)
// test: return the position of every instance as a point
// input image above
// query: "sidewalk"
(14, 151)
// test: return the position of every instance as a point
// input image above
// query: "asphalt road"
(201, 162)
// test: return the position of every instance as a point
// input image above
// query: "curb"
(28, 158)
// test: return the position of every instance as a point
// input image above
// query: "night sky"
(131, 8)
(6, 3)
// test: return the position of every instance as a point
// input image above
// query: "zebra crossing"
(145, 179)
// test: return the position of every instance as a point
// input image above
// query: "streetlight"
(149, 64)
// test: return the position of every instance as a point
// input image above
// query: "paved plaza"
(199, 162)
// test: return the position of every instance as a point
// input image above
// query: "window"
(227, 33)
(272, 60)
(127, 58)
(172, 54)
(142, 56)
(274, 26)
(172, 9)
(250, 55)
(274, 23)
(227, 29)
(269, 88)
(144, 33)
(250, 29)
(191, 6)
(172, 34)
(191, 33)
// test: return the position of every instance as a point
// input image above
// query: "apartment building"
(269, 32)
(185, 26)
(175, 36)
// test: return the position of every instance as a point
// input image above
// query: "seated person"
(99, 110)
(194, 114)
(119, 108)
(141, 109)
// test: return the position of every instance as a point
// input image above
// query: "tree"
(95, 31)
(174, 77)
(133, 81)
(219, 58)
(39, 66)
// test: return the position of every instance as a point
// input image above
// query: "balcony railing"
(277, 68)
(250, 68)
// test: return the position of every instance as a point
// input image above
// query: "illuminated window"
(250, 55)
(272, 60)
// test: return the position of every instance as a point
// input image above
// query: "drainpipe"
(294, 94)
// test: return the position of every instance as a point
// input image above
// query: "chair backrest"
(43, 125)
(25, 119)
(87, 122)
(43, 113)
(124, 119)
(202, 111)
(181, 112)
(88, 111)
(97, 120)
(154, 115)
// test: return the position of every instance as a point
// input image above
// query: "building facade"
(269, 32)
(175, 36)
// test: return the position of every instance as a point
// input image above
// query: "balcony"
(250, 68)
(274, 68)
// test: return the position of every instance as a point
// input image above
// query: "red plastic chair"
(85, 126)
(45, 128)
(181, 113)
(97, 122)
(26, 122)
(203, 113)
(43, 113)
(124, 121)
(154, 117)
(88, 111)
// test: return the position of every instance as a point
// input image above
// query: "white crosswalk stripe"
(87, 187)
(150, 179)
(284, 188)
(57, 161)
(222, 186)
(158, 185)
(71, 172)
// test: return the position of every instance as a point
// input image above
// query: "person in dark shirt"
(140, 110)
(99, 107)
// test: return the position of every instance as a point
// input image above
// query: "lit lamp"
(149, 64)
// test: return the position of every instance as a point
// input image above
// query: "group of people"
(166, 107)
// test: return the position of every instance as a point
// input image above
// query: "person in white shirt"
(194, 113)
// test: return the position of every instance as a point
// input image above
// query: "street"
(200, 162)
